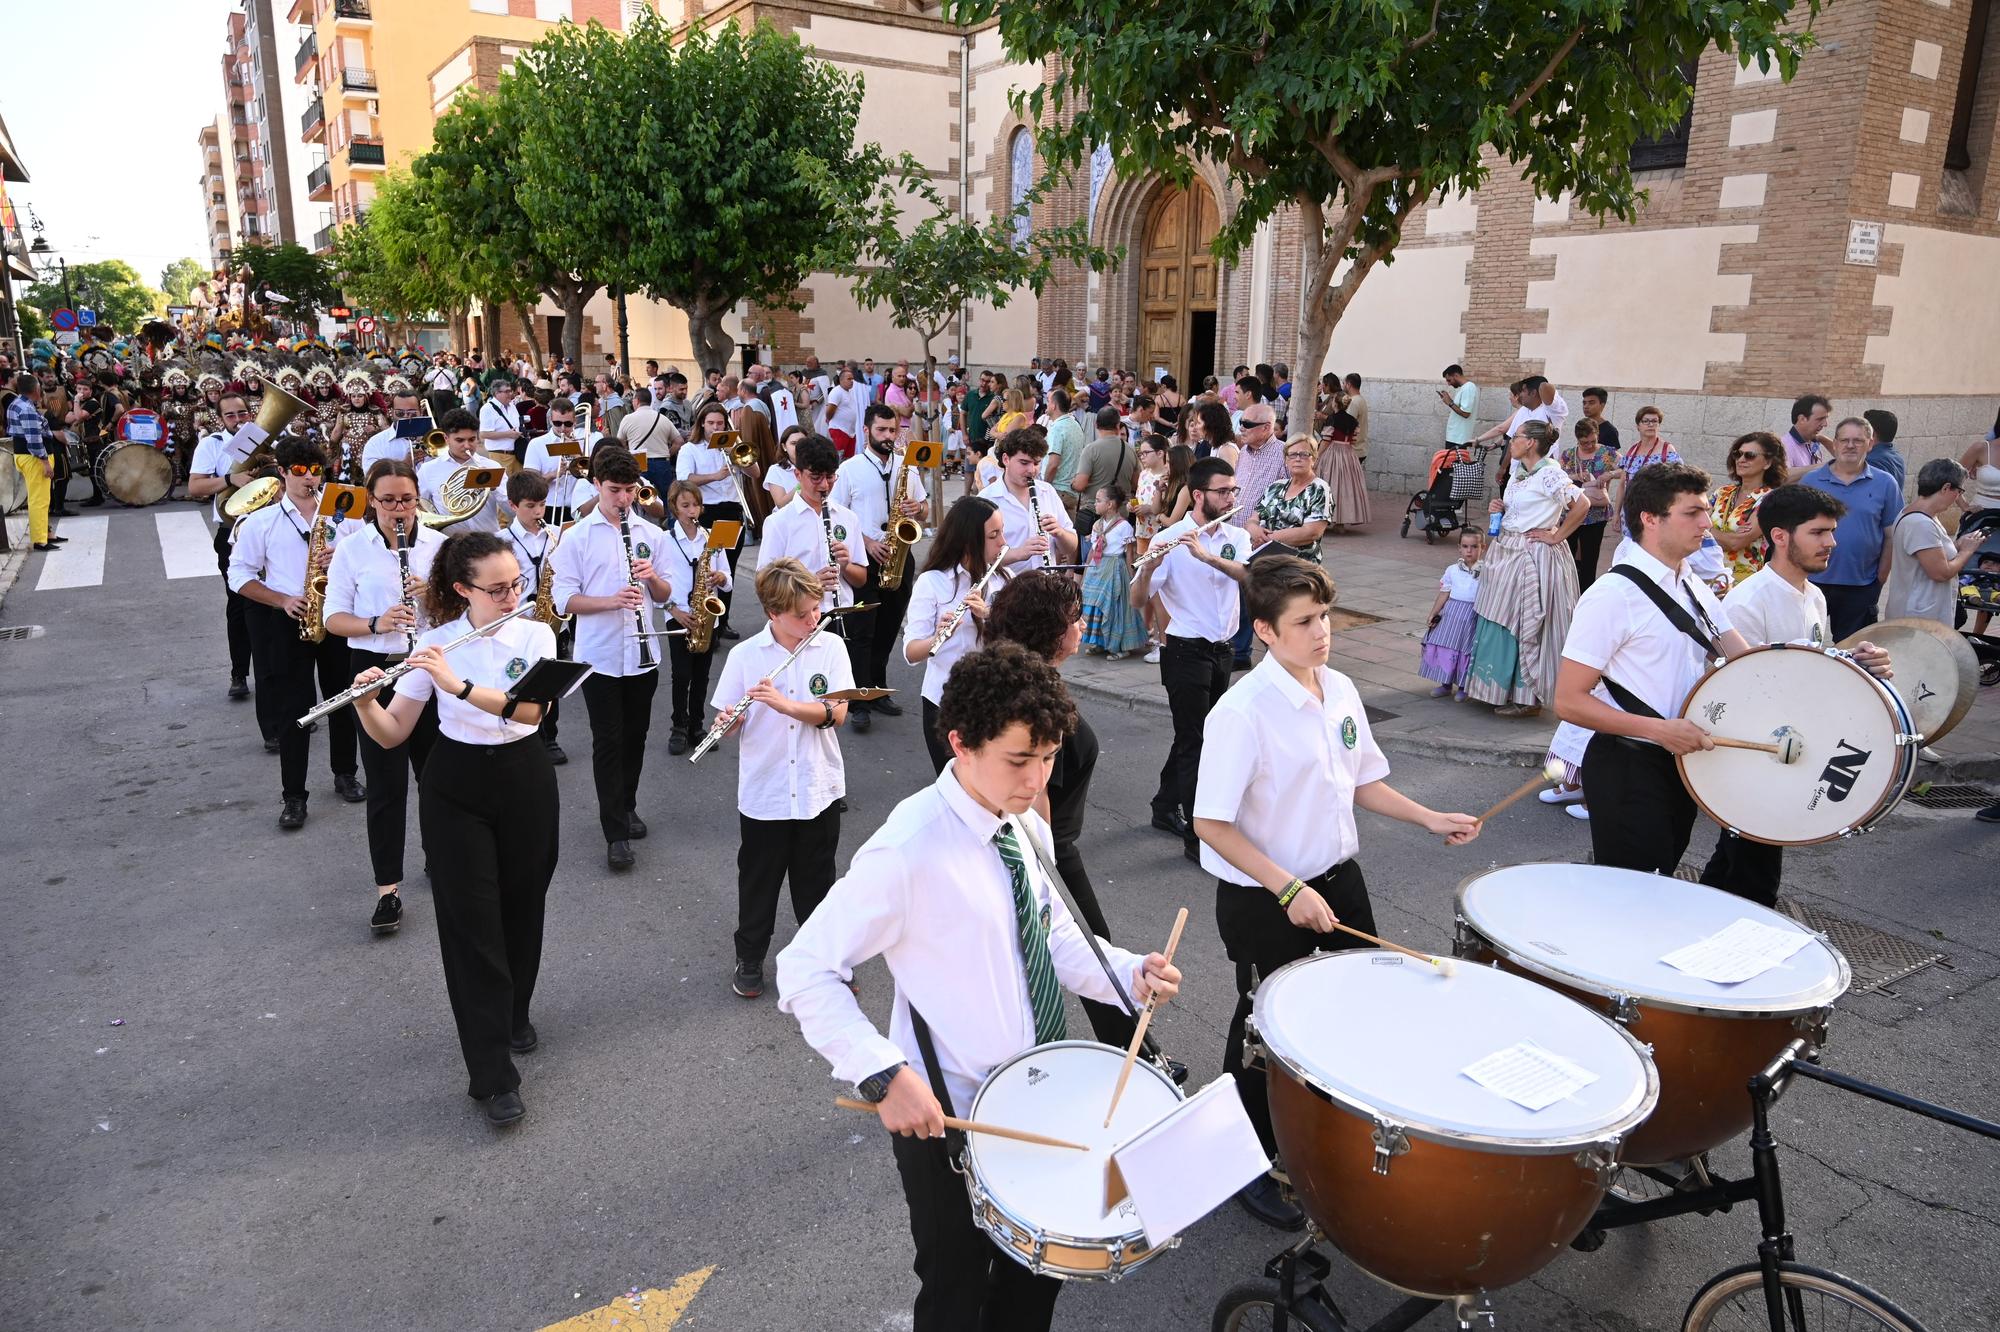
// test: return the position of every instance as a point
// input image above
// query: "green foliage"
(32, 324)
(110, 286)
(387, 260)
(292, 271)
(178, 279)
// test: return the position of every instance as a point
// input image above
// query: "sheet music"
(1190, 1160)
(1744, 950)
(1529, 1076)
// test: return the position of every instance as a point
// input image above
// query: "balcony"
(323, 240)
(319, 183)
(313, 121)
(357, 81)
(365, 152)
(307, 53)
(356, 10)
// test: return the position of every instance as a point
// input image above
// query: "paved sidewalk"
(1394, 579)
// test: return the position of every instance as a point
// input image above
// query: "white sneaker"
(1561, 795)
(1579, 812)
(1153, 656)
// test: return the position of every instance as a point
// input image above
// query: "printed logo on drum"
(1035, 1076)
(1549, 947)
(1713, 710)
(1841, 772)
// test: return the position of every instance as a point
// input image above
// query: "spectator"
(1594, 400)
(1651, 447)
(1757, 464)
(1167, 394)
(1460, 397)
(1594, 468)
(1293, 510)
(1979, 462)
(1066, 445)
(1013, 413)
(1527, 589)
(1149, 492)
(1357, 407)
(1806, 444)
(1108, 461)
(1211, 432)
(1339, 466)
(1854, 576)
(29, 431)
(1112, 626)
(1884, 454)
(1924, 561)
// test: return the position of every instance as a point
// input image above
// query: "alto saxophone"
(545, 596)
(704, 607)
(312, 619)
(902, 533)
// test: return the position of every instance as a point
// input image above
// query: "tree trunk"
(489, 329)
(710, 340)
(573, 306)
(527, 317)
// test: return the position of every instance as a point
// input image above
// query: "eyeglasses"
(499, 592)
(396, 501)
(1307, 454)
(1222, 490)
(305, 469)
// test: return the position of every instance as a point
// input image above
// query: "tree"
(704, 195)
(1355, 114)
(398, 258)
(178, 279)
(294, 272)
(111, 287)
(32, 324)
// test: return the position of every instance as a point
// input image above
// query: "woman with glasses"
(1294, 510)
(1593, 467)
(1651, 447)
(491, 860)
(1924, 560)
(372, 600)
(1757, 467)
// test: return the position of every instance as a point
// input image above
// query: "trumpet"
(1161, 548)
(396, 672)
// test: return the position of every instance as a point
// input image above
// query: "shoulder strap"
(954, 1139)
(1676, 614)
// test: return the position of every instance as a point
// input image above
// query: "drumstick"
(1552, 771)
(1444, 965)
(971, 1126)
(1145, 1020)
(1786, 747)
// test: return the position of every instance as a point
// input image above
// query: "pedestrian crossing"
(181, 537)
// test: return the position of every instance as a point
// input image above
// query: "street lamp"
(43, 248)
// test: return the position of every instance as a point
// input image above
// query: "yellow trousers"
(38, 496)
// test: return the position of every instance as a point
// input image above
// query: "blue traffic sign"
(64, 319)
(87, 317)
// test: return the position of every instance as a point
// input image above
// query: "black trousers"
(873, 635)
(293, 675)
(1196, 674)
(621, 712)
(1259, 938)
(388, 773)
(965, 1283)
(690, 683)
(440, 401)
(234, 616)
(1585, 544)
(1850, 608)
(1110, 1023)
(938, 747)
(729, 511)
(1641, 816)
(491, 862)
(566, 649)
(1748, 869)
(772, 852)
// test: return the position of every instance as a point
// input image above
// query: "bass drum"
(13, 486)
(1854, 743)
(135, 474)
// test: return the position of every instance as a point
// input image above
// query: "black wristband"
(507, 708)
(828, 723)
(466, 692)
(371, 624)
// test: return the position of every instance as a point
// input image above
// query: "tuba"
(704, 607)
(274, 412)
(902, 533)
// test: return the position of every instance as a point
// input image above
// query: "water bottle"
(1493, 525)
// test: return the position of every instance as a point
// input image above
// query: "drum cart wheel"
(1812, 1298)
(1292, 1295)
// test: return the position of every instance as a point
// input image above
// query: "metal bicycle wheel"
(1817, 1301)
(1632, 1186)
(1252, 1307)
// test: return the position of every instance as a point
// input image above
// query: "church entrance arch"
(1177, 286)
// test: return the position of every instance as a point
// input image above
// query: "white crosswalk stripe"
(80, 563)
(186, 548)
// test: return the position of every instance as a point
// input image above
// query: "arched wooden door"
(1177, 286)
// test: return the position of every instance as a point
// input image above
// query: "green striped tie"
(1044, 994)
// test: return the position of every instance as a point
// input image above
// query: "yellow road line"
(645, 1311)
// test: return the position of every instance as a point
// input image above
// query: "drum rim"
(1906, 750)
(1841, 981)
(1608, 1135)
(977, 1190)
(100, 464)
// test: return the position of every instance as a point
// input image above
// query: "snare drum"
(135, 474)
(1424, 1178)
(1857, 746)
(1598, 934)
(1044, 1206)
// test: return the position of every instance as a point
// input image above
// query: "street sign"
(366, 324)
(64, 319)
(87, 317)
(66, 338)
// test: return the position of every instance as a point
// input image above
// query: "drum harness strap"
(1677, 615)
(954, 1140)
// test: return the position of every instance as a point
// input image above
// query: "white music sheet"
(1190, 1161)
(1744, 950)
(1529, 1075)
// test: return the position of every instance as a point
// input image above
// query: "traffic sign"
(64, 319)
(87, 317)
(366, 324)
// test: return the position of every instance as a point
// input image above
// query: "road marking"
(642, 1311)
(79, 563)
(186, 547)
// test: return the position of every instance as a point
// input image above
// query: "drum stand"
(1303, 1302)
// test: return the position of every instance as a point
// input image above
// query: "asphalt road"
(228, 1106)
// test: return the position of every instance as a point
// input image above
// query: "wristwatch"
(371, 624)
(875, 1087)
(466, 692)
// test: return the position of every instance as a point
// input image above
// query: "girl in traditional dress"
(1448, 646)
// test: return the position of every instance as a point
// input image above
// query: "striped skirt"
(1527, 592)
(1448, 648)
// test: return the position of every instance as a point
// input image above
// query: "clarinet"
(826, 522)
(646, 661)
(1035, 516)
(409, 602)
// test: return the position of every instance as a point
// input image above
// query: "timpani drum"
(1044, 1206)
(1598, 934)
(135, 474)
(1425, 1179)
(1852, 746)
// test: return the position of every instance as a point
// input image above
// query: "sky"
(121, 181)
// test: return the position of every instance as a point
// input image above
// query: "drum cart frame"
(1296, 1296)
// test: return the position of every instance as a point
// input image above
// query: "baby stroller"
(1457, 475)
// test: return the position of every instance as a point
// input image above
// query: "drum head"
(1388, 1036)
(1061, 1090)
(1849, 770)
(136, 474)
(1604, 930)
(1937, 673)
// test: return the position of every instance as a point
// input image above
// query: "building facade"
(217, 182)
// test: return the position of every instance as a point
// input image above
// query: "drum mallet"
(1787, 748)
(1444, 965)
(1145, 1020)
(970, 1126)
(1552, 771)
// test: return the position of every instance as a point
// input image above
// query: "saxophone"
(902, 533)
(704, 607)
(312, 619)
(545, 593)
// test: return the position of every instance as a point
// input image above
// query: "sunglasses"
(305, 469)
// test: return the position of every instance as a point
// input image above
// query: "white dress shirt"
(562, 486)
(430, 484)
(865, 482)
(704, 459)
(682, 556)
(1201, 602)
(932, 599)
(1283, 767)
(531, 549)
(786, 769)
(1764, 608)
(1617, 630)
(1019, 521)
(930, 896)
(797, 530)
(590, 561)
(384, 444)
(495, 417)
(211, 458)
(270, 548)
(366, 579)
(781, 477)
(493, 661)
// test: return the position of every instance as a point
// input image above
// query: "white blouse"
(366, 579)
(1538, 498)
(494, 661)
(932, 599)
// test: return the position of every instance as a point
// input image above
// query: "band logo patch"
(840, 531)
(645, 551)
(1349, 732)
(517, 668)
(1228, 551)
(817, 684)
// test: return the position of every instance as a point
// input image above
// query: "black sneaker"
(1990, 814)
(888, 707)
(239, 689)
(859, 719)
(749, 979)
(1263, 1199)
(388, 914)
(294, 813)
(727, 634)
(677, 743)
(556, 755)
(270, 744)
(637, 826)
(504, 1108)
(618, 855)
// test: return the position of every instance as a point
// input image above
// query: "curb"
(11, 564)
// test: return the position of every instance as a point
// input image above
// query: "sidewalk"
(1393, 580)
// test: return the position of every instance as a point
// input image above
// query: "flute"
(950, 624)
(1160, 548)
(742, 705)
(646, 661)
(391, 674)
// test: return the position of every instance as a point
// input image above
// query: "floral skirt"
(1110, 622)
